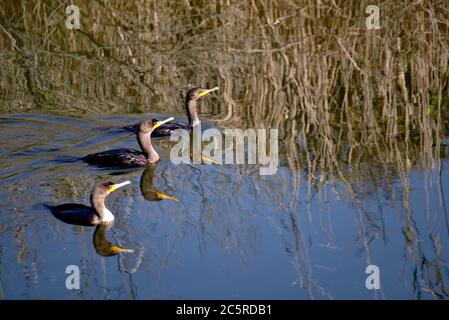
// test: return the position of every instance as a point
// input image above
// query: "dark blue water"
(232, 234)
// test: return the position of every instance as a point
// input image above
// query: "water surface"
(233, 233)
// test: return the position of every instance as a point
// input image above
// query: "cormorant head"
(148, 126)
(101, 191)
(196, 93)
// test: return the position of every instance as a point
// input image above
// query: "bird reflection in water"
(148, 190)
(101, 244)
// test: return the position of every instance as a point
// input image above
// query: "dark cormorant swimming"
(128, 157)
(191, 98)
(79, 214)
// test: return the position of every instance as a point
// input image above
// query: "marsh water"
(232, 234)
(363, 173)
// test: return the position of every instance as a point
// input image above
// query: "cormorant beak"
(203, 93)
(159, 123)
(118, 185)
(165, 196)
(117, 249)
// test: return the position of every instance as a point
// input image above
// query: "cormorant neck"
(146, 183)
(100, 208)
(191, 113)
(144, 141)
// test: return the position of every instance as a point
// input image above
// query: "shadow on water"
(363, 141)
